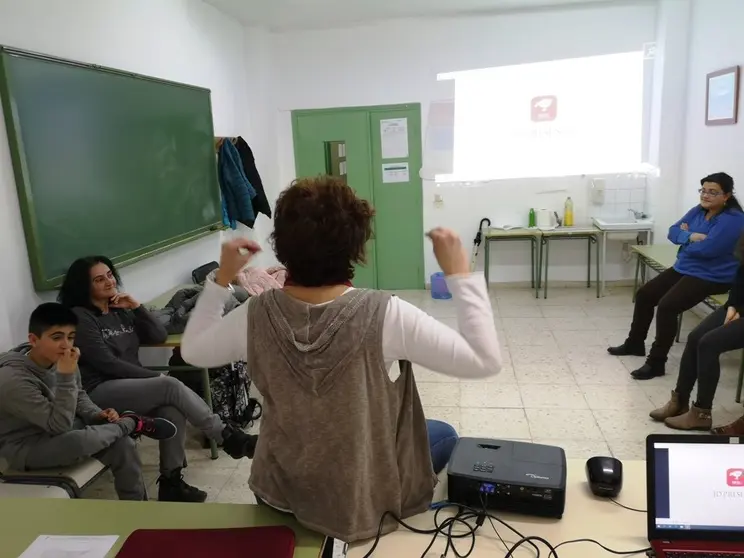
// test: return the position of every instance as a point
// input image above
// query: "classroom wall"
(716, 42)
(181, 40)
(397, 62)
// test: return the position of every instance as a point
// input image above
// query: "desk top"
(586, 516)
(25, 519)
(571, 231)
(663, 254)
(160, 302)
(493, 233)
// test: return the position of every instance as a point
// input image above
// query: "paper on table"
(57, 546)
(394, 138)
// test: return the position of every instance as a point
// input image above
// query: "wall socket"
(438, 200)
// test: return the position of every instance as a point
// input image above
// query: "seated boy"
(47, 420)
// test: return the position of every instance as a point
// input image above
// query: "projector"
(516, 477)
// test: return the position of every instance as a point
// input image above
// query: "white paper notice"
(394, 138)
(55, 546)
(395, 172)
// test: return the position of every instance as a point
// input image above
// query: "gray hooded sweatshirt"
(36, 403)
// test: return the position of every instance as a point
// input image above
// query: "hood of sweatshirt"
(318, 341)
(17, 360)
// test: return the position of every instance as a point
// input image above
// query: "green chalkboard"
(106, 162)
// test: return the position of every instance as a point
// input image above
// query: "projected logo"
(735, 477)
(544, 108)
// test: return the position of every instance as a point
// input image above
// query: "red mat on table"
(250, 542)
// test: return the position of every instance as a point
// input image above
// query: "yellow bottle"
(568, 214)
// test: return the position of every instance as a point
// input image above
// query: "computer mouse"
(605, 476)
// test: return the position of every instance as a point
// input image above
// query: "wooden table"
(174, 341)
(590, 234)
(586, 516)
(500, 235)
(660, 257)
(25, 519)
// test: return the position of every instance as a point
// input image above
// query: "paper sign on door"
(394, 138)
(395, 172)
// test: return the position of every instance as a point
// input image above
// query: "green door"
(378, 150)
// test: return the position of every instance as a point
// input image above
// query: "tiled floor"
(558, 386)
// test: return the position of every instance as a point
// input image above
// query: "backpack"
(230, 386)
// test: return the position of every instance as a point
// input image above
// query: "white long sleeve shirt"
(408, 333)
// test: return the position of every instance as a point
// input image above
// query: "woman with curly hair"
(343, 437)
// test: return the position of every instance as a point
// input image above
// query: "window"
(560, 118)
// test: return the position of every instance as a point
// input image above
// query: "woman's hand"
(698, 237)
(124, 301)
(234, 257)
(684, 227)
(731, 315)
(449, 251)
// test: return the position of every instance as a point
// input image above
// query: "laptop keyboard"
(696, 554)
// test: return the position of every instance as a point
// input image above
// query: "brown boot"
(736, 428)
(694, 419)
(673, 408)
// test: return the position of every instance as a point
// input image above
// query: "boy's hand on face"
(68, 364)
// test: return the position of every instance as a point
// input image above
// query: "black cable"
(627, 507)
(554, 554)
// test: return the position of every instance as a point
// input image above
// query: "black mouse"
(605, 476)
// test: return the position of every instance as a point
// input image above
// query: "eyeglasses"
(711, 193)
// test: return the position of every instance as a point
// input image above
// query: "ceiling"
(304, 14)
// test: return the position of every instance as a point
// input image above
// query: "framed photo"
(722, 97)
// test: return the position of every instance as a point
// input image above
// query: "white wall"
(181, 40)
(397, 62)
(716, 42)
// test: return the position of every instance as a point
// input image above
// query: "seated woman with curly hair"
(343, 436)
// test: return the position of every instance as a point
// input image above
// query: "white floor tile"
(481, 395)
(552, 396)
(563, 424)
(494, 423)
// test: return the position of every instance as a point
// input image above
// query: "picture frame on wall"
(722, 97)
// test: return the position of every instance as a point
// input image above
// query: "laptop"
(695, 496)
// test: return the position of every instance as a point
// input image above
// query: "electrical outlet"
(438, 200)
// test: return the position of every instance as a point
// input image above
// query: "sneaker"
(172, 488)
(155, 428)
(694, 419)
(628, 349)
(651, 369)
(736, 428)
(237, 444)
(675, 407)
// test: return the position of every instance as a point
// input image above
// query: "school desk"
(586, 516)
(25, 519)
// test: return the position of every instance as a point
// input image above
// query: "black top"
(109, 343)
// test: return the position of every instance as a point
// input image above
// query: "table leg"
(546, 249)
(637, 271)
(599, 285)
(604, 262)
(532, 260)
(589, 262)
(538, 247)
(487, 262)
(208, 398)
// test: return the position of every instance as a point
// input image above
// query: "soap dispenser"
(568, 213)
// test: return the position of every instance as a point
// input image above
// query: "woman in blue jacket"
(705, 266)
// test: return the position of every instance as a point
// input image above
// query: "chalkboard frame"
(24, 188)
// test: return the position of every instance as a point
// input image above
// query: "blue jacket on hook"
(237, 192)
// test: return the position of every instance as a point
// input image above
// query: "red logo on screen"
(735, 477)
(544, 108)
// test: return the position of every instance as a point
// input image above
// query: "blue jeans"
(442, 440)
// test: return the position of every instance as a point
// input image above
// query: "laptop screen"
(699, 486)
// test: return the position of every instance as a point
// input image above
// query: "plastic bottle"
(568, 213)
(532, 220)
(439, 290)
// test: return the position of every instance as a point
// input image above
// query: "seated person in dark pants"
(720, 332)
(705, 266)
(111, 327)
(47, 420)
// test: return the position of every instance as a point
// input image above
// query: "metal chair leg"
(588, 262)
(546, 248)
(679, 326)
(208, 398)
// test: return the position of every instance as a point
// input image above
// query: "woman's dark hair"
(727, 185)
(75, 290)
(321, 229)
